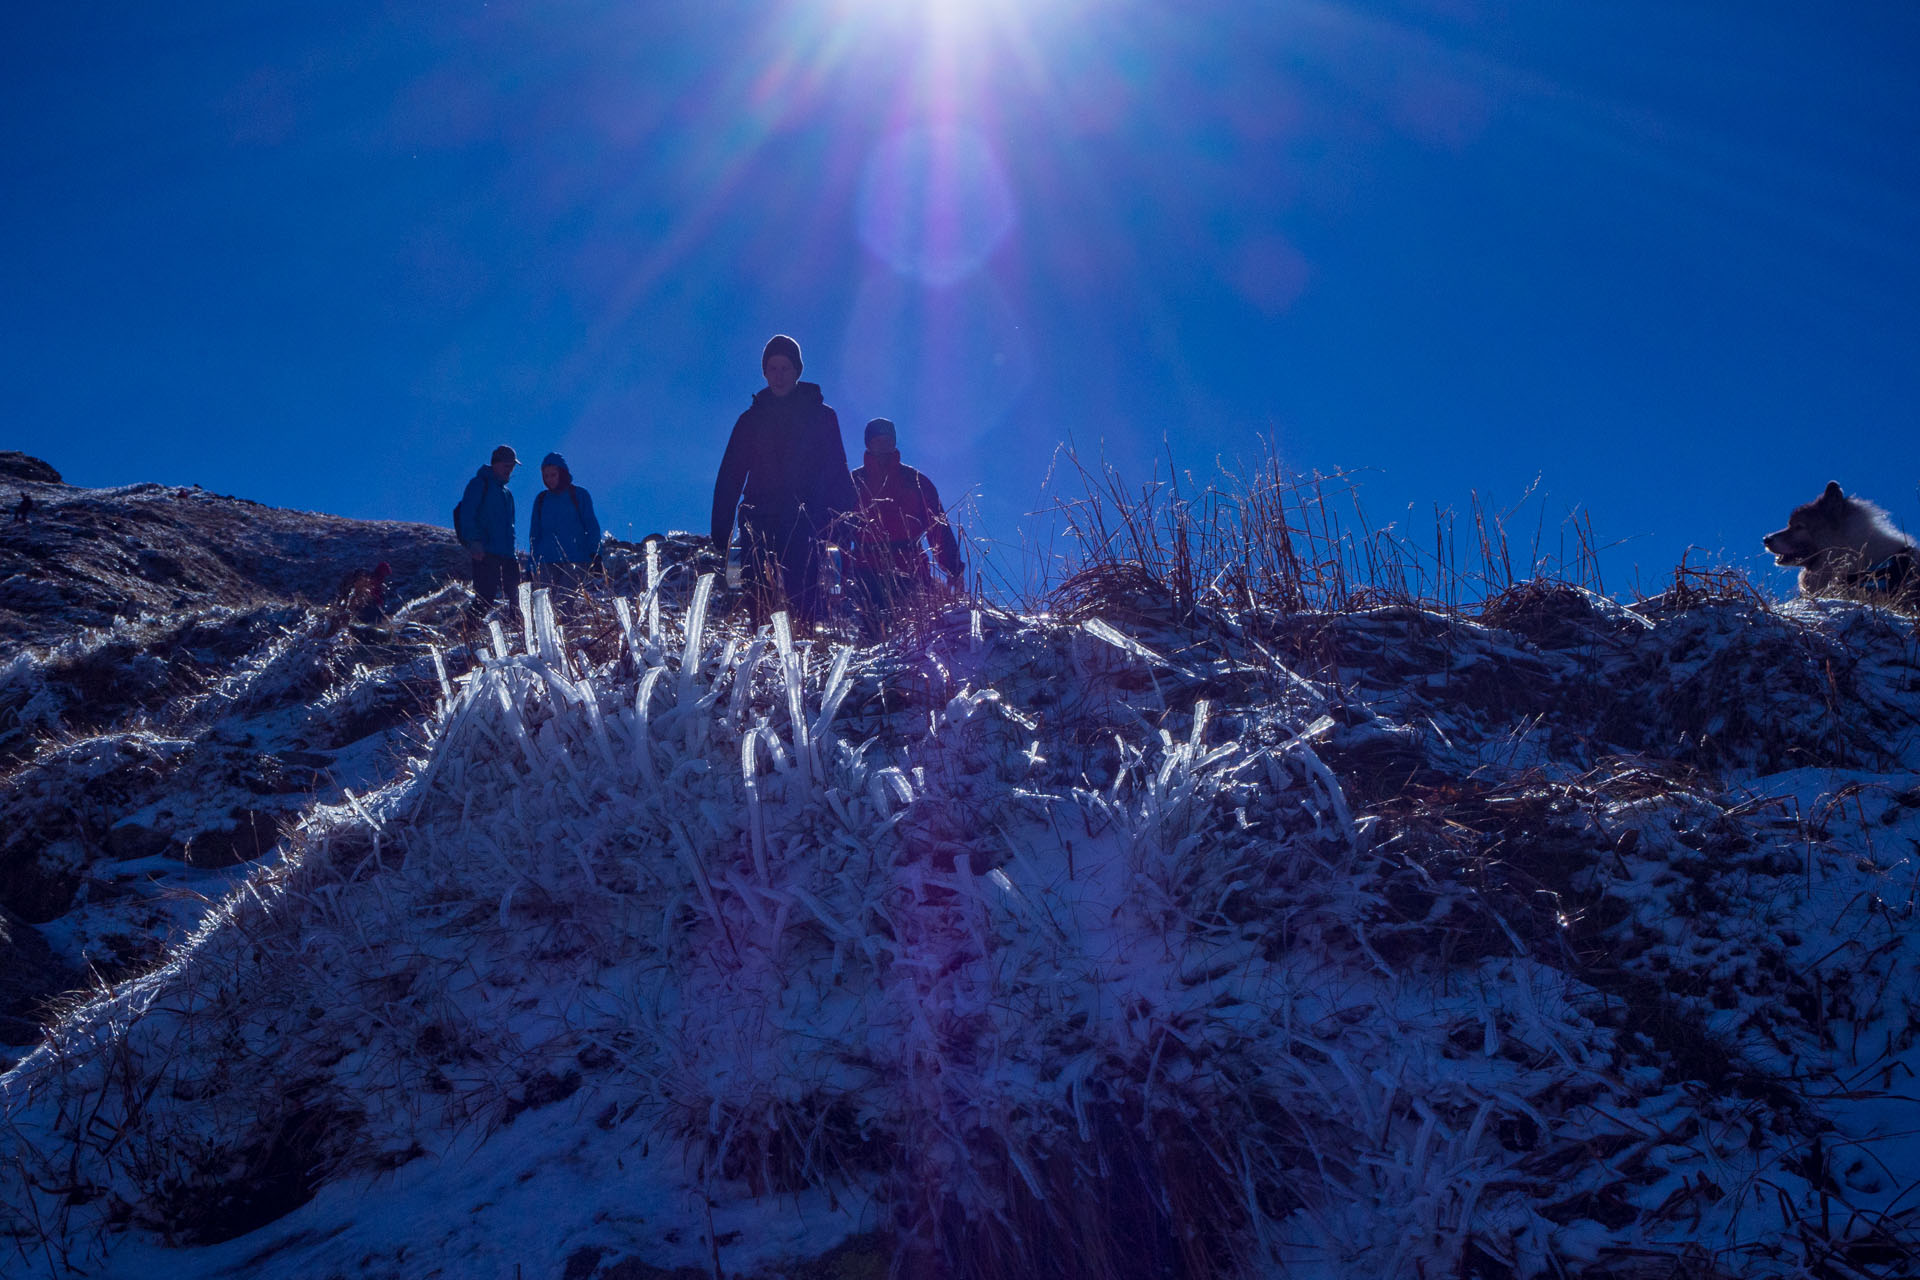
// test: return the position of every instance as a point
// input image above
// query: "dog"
(1848, 547)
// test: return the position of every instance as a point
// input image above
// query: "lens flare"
(934, 203)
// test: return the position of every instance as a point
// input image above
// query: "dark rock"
(127, 841)
(39, 881)
(30, 975)
(15, 465)
(157, 566)
(253, 833)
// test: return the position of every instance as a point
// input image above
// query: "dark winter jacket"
(563, 528)
(898, 507)
(787, 454)
(485, 514)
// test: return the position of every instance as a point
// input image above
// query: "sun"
(944, 24)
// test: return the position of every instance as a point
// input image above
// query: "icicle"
(526, 613)
(623, 614)
(1106, 631)
(975, 635)
(440, 670)
(499, 637)
(690, 657)
(642, 709)
(756, 823)
(653, 590)
(1200, 710)
(545, 630)
(743, 680)
(831, 697)
(796, 692)
(598, 724)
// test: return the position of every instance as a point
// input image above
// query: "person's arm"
(727, 485)
(589, 523)
(467, 520)
(946, 548)
(835, 483)
(535, 519)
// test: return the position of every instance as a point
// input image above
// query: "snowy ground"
(1568, 940)
(176, 688)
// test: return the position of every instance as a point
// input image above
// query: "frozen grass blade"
(623, 617)
(440, 674)
(790, 673)
(756, 821)
(838, 686)
(690, 660)
(653, 590)
(741, 701)
(643, 718)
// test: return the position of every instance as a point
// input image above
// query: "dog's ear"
(1833, 493)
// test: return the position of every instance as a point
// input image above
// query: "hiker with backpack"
(483, 521)
(563, 534)
(900, 520)
(785, 468)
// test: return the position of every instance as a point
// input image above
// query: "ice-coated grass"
(973, 947)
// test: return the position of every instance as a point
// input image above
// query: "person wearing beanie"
(563, 534)
(483, 521)
(900, 519)
(784, 475)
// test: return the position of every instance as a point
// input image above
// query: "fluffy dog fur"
(1848, 547)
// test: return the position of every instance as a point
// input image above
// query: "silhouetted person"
(24, 509)
(484, 524)
(900, 520)
(563, 534)
(786, 455)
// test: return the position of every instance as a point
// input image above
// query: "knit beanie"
(781, 345)
(555, 460)
(881, 429)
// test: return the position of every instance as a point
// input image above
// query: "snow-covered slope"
(176, 688)
(1568, 940)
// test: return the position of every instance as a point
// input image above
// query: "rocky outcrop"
(15, 465)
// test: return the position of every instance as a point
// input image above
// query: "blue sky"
(1662, 256)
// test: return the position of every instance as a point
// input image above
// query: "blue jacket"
(563, 529)
(485, 514)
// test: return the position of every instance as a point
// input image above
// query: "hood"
(555, 460)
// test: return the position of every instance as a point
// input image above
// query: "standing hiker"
(484, 524)
(900, 520)
(563, 534)
(21, 512)
(786, 468)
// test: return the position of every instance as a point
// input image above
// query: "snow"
(1474, 950)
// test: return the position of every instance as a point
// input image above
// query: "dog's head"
(1813, 528)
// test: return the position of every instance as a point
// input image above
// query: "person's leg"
(872, 600)
(486, 581)
(762, 570)
(800, 565)
(509, 579)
